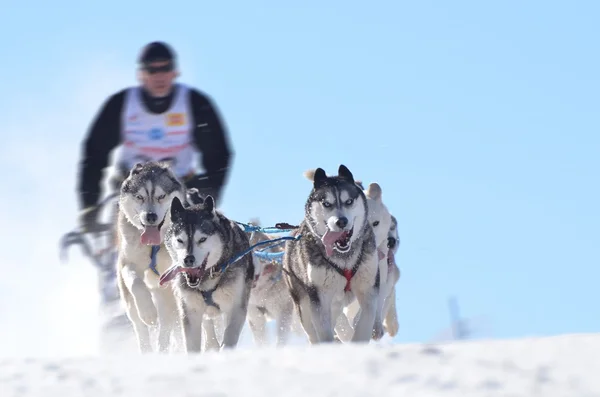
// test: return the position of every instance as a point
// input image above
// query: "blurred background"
(478, 120)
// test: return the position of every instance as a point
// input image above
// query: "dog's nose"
(151, 217)
(391, 242)
(342, 222)
(189, 261)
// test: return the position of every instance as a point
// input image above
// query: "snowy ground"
(566, 365)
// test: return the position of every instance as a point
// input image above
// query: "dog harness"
(208, 298)
(346, 273)
(153, 251)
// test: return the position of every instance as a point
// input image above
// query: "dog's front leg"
(367, 299)
(210, 334)
(284, 322)
(383, 276)
(391, 316)
(258, 323)
(140, 293)
(235, 322)
(321, 314)
(192, 307)
(343, 328)
(167, 317)
(139, 328)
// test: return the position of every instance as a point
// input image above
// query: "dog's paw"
(392, 329)
(378, 331)
(147, 312)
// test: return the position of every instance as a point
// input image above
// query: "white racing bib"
(156, 137)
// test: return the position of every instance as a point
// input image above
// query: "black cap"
(156, 51)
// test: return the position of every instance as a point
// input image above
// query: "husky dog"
(270, 298)
(390, 322)
(143, 216)
(335, 259)
(201, 241)
(380, 220)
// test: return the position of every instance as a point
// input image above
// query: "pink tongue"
(151, 236)
(391, 259)
(174, 271)
(170, 274)
(380, 253)
(329, 239)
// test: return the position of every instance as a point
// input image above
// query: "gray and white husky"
(142, 219)
(380, 220)
(270, 298)
(201, 241)
(335, 259)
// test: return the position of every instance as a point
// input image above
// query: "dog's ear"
(194, 197)
(319, 178)
(166, 163)
(209, 204)
(344, 172)
(177, 208)
(136, 169)
(374, 191)
(310, 174)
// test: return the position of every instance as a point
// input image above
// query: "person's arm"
(102, 137)
(212, 140)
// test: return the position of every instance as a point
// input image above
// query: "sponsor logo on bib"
(175, 119)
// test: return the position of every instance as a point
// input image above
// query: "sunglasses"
(158, 69)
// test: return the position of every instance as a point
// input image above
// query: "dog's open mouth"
(193, 275)
(340, 241)
(151, 234)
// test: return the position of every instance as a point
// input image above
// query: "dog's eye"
(349, 201)
(375, 223)
(162, 196)
(326, 204)
(180, 241)
(202, 239)
(139, 197)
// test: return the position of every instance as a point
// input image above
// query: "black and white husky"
(201, 242)
(335, 259)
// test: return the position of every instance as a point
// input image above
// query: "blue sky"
(478, 120)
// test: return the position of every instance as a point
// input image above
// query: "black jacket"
(105, 135)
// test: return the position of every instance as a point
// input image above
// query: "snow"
(566, 365)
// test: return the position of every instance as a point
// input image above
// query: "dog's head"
(146, 196)
(336, 210)
(194, 240)
(379, 217)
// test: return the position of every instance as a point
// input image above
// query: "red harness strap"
(348, 274)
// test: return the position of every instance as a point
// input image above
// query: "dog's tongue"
(170, 274)
(151, 236)
(174, 271)
(380, 253)
(391, 259)
(329, 239)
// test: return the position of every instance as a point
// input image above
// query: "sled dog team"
(182, 288)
